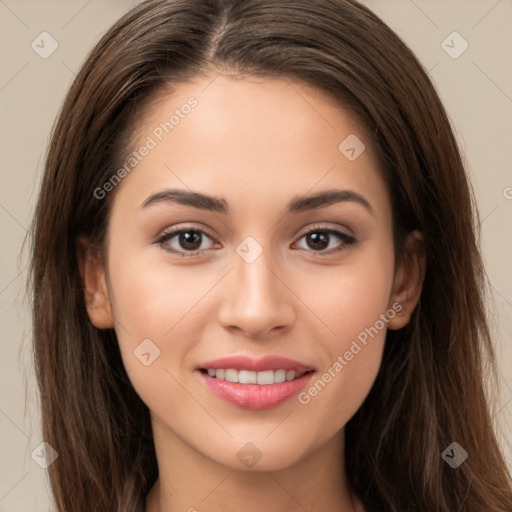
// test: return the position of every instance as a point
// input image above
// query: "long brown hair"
(430, 388)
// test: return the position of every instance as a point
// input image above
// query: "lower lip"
(255, 396)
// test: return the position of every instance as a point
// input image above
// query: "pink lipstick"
(255, 383)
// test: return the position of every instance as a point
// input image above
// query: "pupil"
(320, 240)
(188, 241)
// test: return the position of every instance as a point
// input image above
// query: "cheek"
(353, 302)
(152, 301)
(150, 296)
(351, 296)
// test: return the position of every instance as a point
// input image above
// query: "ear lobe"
(408, 280)
(94, 284)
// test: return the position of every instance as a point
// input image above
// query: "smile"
(248, 377)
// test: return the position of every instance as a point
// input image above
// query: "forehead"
(252, 139)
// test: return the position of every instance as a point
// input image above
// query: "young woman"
(256, 278)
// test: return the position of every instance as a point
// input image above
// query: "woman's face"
(261, 268)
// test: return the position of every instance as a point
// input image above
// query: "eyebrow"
(219, 205)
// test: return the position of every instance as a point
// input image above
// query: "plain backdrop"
(475, 85)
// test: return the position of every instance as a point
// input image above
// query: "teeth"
(280, 376)
(231, 376)
(245, 377)
(266, 377)
(248, 377)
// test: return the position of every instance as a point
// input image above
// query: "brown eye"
(184, 242)
(319, 239)
(189, 240)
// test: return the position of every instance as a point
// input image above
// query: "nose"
(257, 302)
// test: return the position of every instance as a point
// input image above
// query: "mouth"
(255, 383)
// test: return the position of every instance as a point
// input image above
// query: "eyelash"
(165, 237)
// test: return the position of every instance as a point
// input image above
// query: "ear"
(94, 284)
(408, 280)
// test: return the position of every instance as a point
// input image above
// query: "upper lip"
(256, 365)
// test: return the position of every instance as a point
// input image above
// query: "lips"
(255, 383)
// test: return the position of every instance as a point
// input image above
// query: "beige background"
(476, 88)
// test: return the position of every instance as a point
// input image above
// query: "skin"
(257, 143)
